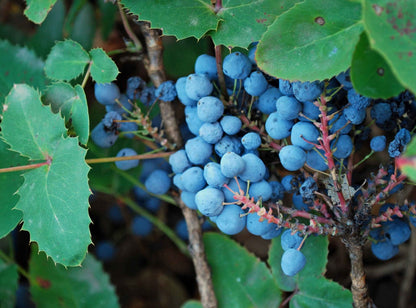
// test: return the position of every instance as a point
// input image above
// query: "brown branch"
(154, 66)
(197, 251)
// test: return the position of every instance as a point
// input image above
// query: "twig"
(197, 251)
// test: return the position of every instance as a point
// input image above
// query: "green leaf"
(371, 76)
(240, 279)
(103, 68)
(66, 61)
(8, 284)
(313, 40)
(192, 304)
(108, 13)
(321, 293)
(36, 10)
(18, 65)
(85, 286)
(54, 197)
(9, 184)
(72, 103)
(407, 162)
(84, 26)
(391, 30)
(49, 31)
(244, 22)
(182, 19)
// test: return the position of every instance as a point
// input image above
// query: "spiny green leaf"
(85, 286)
(407, 162)
(244, 22)
(72, 103)
(66, 61)
(108, 13)
(240, 279)
(9, 184)
(84, 26)
(8, 284)
(313, 40)
(103, 68)
(36, 10)
(54, 197)
(391, 29)
(18, 65)
(182, 19)
(370, 74)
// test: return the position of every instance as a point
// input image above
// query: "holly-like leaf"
(370, 73)
(244, 22)
(391, 27)
(240, 279)
(37, 10)
(108, 12)
(54, 197)
(72, 103)
(192, 304)
(84, 25)
(85, 286)
(103, 68)
(407, 162)
(19, 65)
(313, 40)
(8, 284)
(182, 19)
(310, 280)
(9, 184)
(66, 61)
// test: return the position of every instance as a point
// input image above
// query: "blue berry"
(213, 175)
(231, 125)
(308, 188)
(152, 204)
(236, 65)
(343, 145)
(181, 92)
(179, 161)
(117, 108)
(278, 128)
(141, 226)
(354, 115)
(304, 130)
(232, 164)
(198, 151)
(105, 251)
(228, 195)
(251, 141)
(339, 121)
(106, 93)
(252, 53)
(210, 109)
(254, 170)
(278, 191)
(289, 240)
(193, 179)
(192, 120)
(293, 261)
(228, 144)
(261, 189)
(198, 86)
(288, 107)
(316, 160)
(257, 227)
(290, 183)
(206, 65)
(102, 136)
(397, 230)
(285, 87)
(310, 110)
(381, 112)
(378, 143)
(267, 101)
(255, 84)
(189, 199)
(292, 157)
(135, 85)
(275, 232)
(307, 91)
(384, 249)
(181, 229)
(126, 164)
(211, 132)
(210, 201)
(148, 96)
(110, 118)
(298, 203)
(166, 91)
(358, 101)
(129, 129)
(158, 182)
(344, 79)
(115, 214)
(231, 220)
